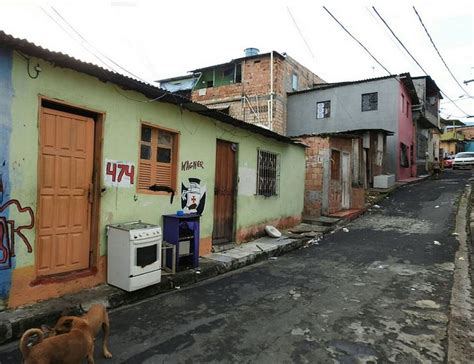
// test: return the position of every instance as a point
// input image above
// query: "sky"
(153, 40)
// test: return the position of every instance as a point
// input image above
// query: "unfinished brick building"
(252, 88)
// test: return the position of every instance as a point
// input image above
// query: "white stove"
(133, 255)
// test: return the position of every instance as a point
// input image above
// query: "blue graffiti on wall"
(6, 97)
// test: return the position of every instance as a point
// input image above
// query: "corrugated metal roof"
(345, 133)
(260, 55)
(404, 77)
(128, 83)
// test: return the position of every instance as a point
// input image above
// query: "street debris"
(427, 304)
(177, 287)
(376, 206)
(273, 258)
(437, 207)
(300, 332)
(461, 258)
(295, 295)
(346, 230)
(454, 234)
(272, 231)
(436, 242)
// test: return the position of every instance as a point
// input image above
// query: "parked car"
(464, 160)
(448, 161)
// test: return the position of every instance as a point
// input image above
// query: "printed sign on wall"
(119, 173)
(193, 196)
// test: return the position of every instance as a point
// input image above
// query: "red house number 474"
(118, 170)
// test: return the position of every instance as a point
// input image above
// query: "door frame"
(234, 195)
(347, 156)
(99, 119)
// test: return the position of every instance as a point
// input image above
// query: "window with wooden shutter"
(158, 158)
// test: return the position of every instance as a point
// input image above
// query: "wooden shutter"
(157, 163)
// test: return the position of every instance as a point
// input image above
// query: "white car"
(463, 160)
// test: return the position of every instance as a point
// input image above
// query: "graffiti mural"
(193, 197)
(8, 232)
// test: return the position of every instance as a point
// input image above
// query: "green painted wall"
(198, 136)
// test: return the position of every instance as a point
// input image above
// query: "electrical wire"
(28, 60)
(301, 33)
(399, 41)
(439, 54)
(70, 35)
(353, 37)
(144, 101)
(414, 59)
(94, 48)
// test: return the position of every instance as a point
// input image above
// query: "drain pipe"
(270, 109)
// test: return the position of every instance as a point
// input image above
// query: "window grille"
(370, 101)
(268, 174)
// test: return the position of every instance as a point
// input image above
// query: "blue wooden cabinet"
(183, 231)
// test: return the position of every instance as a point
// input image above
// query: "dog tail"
(24, 347)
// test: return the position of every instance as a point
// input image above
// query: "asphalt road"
(377, 293)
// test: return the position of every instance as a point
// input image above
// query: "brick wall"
(248, 100)
(314, 175)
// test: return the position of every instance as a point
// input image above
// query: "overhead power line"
(343, 27)
(439, 54)
(300, 32)
(398, 39)
(84, 42)
(94, 48)
(70, 35)
(414, 59)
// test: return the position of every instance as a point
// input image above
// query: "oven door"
(145, 255)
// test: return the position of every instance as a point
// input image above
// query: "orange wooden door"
(65, 190)
(224, 193)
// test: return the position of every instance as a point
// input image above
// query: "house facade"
(82, 146)
(252, 88)
(334, 173)
(427, 122)
(381, 103)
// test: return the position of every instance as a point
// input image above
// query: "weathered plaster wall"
(406, 135)
(346, 113)
(6, 95)
(124, 110)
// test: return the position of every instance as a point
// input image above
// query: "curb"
(460, 334)
(13, 323)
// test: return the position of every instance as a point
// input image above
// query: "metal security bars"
(370, 101)
(268, 174)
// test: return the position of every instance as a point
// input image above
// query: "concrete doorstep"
(14, 322)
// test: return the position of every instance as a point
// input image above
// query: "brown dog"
(96, 317)
(72, 347)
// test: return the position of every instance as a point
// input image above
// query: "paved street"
(377, 293)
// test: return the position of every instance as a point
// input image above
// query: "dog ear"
(67, 324)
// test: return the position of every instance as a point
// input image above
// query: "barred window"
(268, 177)
(370, 101)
